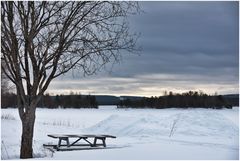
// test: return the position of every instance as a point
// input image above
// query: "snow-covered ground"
(142, 134)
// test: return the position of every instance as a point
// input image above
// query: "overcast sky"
(185, 46)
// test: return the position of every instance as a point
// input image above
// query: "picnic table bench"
(85, 138)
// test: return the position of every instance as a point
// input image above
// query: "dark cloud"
(182, 34)
(189, 44)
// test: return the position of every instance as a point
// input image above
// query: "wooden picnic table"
(85, 138)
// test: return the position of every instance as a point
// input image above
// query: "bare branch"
(43, 40)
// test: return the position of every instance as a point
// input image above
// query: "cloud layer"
(186, 46)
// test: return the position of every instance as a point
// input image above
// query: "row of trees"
(69, 101)
(8, 99)
(63, 101)
(189, 99)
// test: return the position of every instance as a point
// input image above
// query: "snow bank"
(162, 134)
(193, 122)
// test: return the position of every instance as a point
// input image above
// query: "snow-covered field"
(141, 133)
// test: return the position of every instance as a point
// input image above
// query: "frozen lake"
(142, 133)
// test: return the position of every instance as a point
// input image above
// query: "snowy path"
(143, 133)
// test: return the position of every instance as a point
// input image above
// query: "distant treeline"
(73, 100)
(8, 100)
(191, 99)
(69, 101)
(62, 101)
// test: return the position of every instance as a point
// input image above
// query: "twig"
(174, 125)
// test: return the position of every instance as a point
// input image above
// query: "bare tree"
(43, 40)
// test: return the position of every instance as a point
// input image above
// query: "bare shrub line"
(7, 117)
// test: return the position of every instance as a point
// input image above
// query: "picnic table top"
(81, 135)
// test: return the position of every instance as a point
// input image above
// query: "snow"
(142, 134)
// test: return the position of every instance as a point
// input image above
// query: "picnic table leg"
(88, 142)
(75, 141)
(95, 142)
(59, 142)
(104, 143)
(67, 140)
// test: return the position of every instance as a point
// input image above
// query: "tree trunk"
(27, 133)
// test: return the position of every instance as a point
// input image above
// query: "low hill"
(107, 100)
(233, 99)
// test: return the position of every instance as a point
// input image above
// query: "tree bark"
(28, 119)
